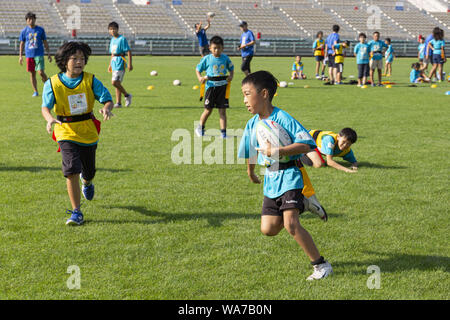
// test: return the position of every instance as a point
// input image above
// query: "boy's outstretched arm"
(334, 164)
(106, 110)
(49, 118)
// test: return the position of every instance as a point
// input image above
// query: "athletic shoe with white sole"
(199, 131)
(117, 105)
(321, 271)
(128, 100)
(315, 207)
(76, 217)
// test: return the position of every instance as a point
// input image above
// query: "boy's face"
(298, 59)
(254, 100)
(343, 142)
(216, 49)
(31, 22)
(376, 36)
(387, 42)
(362, 39)
(75, 64)
(113, 31)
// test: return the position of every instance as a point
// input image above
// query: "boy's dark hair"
(376, 32)
(349, 134)
(347, 43)
(415, 65)
(362, 34)
(30, 15)
(262, 80)
(113, 25)
(320, 32)
(336, 28)
(388, 40)
(216, 40)
(70, 48)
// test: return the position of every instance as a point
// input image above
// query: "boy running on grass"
(283, 183)
(72, 94)
(118, 47)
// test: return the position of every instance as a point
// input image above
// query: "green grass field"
(157, 230)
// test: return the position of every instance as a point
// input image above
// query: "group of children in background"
(369, 59)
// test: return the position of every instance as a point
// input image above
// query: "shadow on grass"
(397, 262)
(365, 164)
(214, 219)
(39, 169)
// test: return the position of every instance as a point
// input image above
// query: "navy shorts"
(319, 58)
(292, 199)
(331, 63)
(363, 70)
(78, 159)
(437, 59)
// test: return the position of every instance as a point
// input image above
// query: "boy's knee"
(115, 83)
(318, 164)
(268, 231)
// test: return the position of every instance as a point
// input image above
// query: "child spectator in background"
(297, 69)
(361, 52)
(319, 54)
(389, 56)
(417, 75)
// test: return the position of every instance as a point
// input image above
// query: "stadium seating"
(12, 15)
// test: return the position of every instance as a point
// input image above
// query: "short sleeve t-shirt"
(331, 39)
(202, 39)
(118, 46)
(362, 53)
(376, 48)
(215, 67)
(277, 182)
(329, 147)
(34, 41)
(437, 45)
(414, 75)
(421, 50)
(247, 37)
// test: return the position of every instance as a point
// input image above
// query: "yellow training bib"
(318, 135)
(70, 102)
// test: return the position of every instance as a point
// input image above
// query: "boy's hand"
(230, 78)
(106, 112)
(268, 150)
(130, 67)
(49, 57)
(109, 69)
(203, 79)
(21, 60)
(50, 124)
(352, 170)
(254, 178)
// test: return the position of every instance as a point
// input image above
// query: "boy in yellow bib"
(72, 94)
(339, 59)
(332, 145)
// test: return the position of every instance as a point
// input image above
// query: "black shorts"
(319, 58)
(78, 159)
(363, 70)
(245, 66)
(204, 51)
(331, 63)
(215, 97)
(292, 199)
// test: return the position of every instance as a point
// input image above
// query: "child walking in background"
(438, 58)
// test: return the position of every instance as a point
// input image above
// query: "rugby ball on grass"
(283, 84)
(268, 130)
(154, 73)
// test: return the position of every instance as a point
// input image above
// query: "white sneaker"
(117, 105)
(314, 206)
(199, 132)
(321, 271)
(128, 100)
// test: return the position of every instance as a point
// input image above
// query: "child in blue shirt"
(389, 56)
(376, 57)
(118, 47)
(217, 89)
(200, 32)
(283, 182)
(33, 40)
(361, 52)
(438, 58)
(417, 75)
(421, 51)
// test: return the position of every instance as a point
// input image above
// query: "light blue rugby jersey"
(278, 182)
(215, 67)
(120, 46)
(329, 147)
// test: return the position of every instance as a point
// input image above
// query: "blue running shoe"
(88, 190)
(35, 94)
(76, 217)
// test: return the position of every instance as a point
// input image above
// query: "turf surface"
(157, 230)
